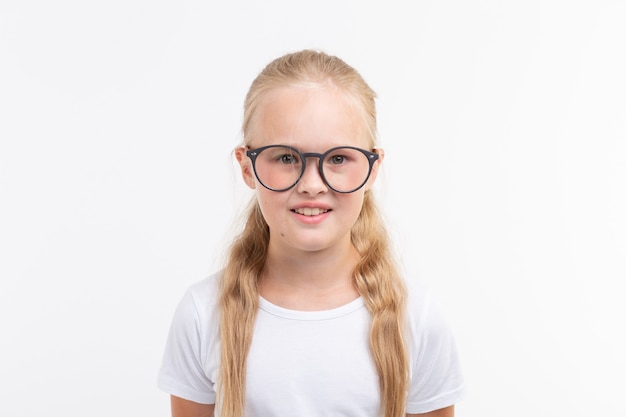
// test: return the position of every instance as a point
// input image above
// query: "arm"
(442, 412)
(186, 408)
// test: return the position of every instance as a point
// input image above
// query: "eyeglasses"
(344, 169)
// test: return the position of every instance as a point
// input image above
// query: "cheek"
(272, 205)
(265, 204)
(354, 204)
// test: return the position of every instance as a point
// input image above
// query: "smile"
(310, 211)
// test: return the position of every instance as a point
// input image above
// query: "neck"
(310, 280)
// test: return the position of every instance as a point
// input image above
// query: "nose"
(311, 181)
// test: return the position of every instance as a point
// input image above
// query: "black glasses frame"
(371, 157)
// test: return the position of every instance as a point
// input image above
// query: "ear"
(246, 167)
(375, 168)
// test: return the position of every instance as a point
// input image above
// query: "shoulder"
(205, 291)
(436, 376)
(425, 318)
(199, 304)
(190, 361)
(419, 300)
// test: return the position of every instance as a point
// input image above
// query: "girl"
(310, 316)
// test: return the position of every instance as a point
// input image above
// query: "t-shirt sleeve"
(436, 378)
(182, 370)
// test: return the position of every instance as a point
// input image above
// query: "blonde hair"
(376, 276)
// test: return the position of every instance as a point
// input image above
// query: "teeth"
(308, 211)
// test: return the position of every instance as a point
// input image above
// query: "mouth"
(310, 211)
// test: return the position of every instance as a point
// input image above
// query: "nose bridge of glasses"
(318, 174)
(307, 155)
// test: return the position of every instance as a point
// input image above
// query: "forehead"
(311, 118)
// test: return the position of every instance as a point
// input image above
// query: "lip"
(311, 213)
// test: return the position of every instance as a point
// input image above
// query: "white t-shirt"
(309, 363)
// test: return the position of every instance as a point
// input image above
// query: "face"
(310, 216)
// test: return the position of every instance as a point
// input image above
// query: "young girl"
(310, 316)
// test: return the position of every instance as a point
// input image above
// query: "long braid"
(239, 304)
(378, 281)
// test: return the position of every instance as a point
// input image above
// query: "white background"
(504, 184)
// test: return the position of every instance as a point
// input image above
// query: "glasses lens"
(278, 167)
(346, 169)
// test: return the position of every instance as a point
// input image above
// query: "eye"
(288, 158)
(337, 159)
